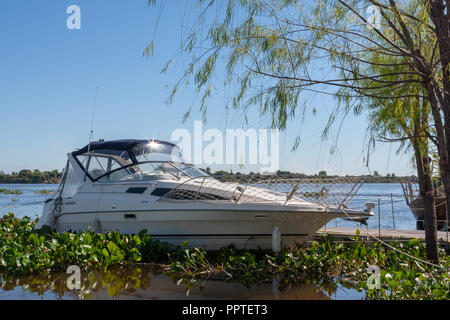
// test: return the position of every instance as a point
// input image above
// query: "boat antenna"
(91, 132)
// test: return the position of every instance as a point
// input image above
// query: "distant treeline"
(28, 176)
(36, 176)
(375, 178)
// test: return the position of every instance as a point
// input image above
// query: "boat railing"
(336, 191)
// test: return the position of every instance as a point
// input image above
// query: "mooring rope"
(393, 248)
(22, 204)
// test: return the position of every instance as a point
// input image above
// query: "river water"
(144, 283)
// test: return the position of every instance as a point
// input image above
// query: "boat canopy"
(121, 160)
(130, 146)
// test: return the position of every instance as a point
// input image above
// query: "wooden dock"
(344, 234)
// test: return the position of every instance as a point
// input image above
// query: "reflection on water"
(143, 282)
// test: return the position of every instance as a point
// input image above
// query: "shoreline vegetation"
(10, 191)
(28, 177)
(53, 177)
(25, 252)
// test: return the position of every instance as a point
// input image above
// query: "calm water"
(144, 283)
(371, 192)
(26, 204)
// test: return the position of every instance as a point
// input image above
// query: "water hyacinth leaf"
(20, 255)
(439, 293)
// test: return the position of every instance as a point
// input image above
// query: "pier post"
(379, 218)
(393, 214)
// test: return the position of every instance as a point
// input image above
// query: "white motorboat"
(131, 185)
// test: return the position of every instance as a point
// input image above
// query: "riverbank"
(53, 177)
(24, 252)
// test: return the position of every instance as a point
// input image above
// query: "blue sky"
(49, 75)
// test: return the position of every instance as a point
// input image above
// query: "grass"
(26, 252)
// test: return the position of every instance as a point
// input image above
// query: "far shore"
(53, 177)
(243, 179)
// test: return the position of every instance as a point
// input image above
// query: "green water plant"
(44, 191)
(403, 274)
(10, 191)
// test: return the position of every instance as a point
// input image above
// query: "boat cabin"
(126, 160)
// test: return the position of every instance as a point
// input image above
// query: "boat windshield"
(153, 170)
(156, 151)
(99, 162)
(145, 161)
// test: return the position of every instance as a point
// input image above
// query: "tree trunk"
(446, 181)
(440, 18)
(427, 194)
(443, 136)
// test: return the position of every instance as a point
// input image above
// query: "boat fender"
(276, 240)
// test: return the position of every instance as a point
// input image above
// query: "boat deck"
(343, 234)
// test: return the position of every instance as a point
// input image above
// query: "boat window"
(97, 166)
(99, 162)
(145, 171)
(191, 170)
(72, 182)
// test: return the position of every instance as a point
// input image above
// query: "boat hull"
(209, 229)
(417, 209)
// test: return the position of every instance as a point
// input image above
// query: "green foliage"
(24, 251)
(278, 54)
(27, 252)
(322, 262)
(244, 178)
(28, 176)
